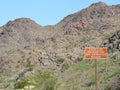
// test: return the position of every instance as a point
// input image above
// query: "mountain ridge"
(92, 17)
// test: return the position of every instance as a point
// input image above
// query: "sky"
(44, 12)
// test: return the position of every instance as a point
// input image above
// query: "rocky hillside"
(27, 48)
(21, 33)
(98, 16)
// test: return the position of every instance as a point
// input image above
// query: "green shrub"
(106, 36)
(29, 64)
(108, 87)
(113, 75)
(21, 84)
(42, 81)
(45, 81)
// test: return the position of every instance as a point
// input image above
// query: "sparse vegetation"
(84, 39)
(42, 81)
(60, 60)
(106, 36)
(76, 77)
(22, 83)
(46, 80)
(29, 64)
(108, 87)
(82, 74)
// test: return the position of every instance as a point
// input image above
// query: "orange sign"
(95, 53)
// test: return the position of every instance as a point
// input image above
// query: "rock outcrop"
(113, 45)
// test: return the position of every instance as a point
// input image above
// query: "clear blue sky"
(44, 12)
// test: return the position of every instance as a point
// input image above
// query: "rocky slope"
(24, 44)
(113, 45)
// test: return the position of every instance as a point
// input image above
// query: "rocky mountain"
(24, 44)
(21, 33)
(98, 16)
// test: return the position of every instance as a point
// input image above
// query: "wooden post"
(28, 87)
(96, 76)
(4, 82)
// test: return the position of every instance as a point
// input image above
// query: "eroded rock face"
(113, 43)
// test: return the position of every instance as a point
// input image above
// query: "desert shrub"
(60, 60)
(106, 36)
(42, 81)
(66, 66)
(84, 39)
(113, 75)
(108, 87)
(29, 64)
(45, 81)
(21, 84)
